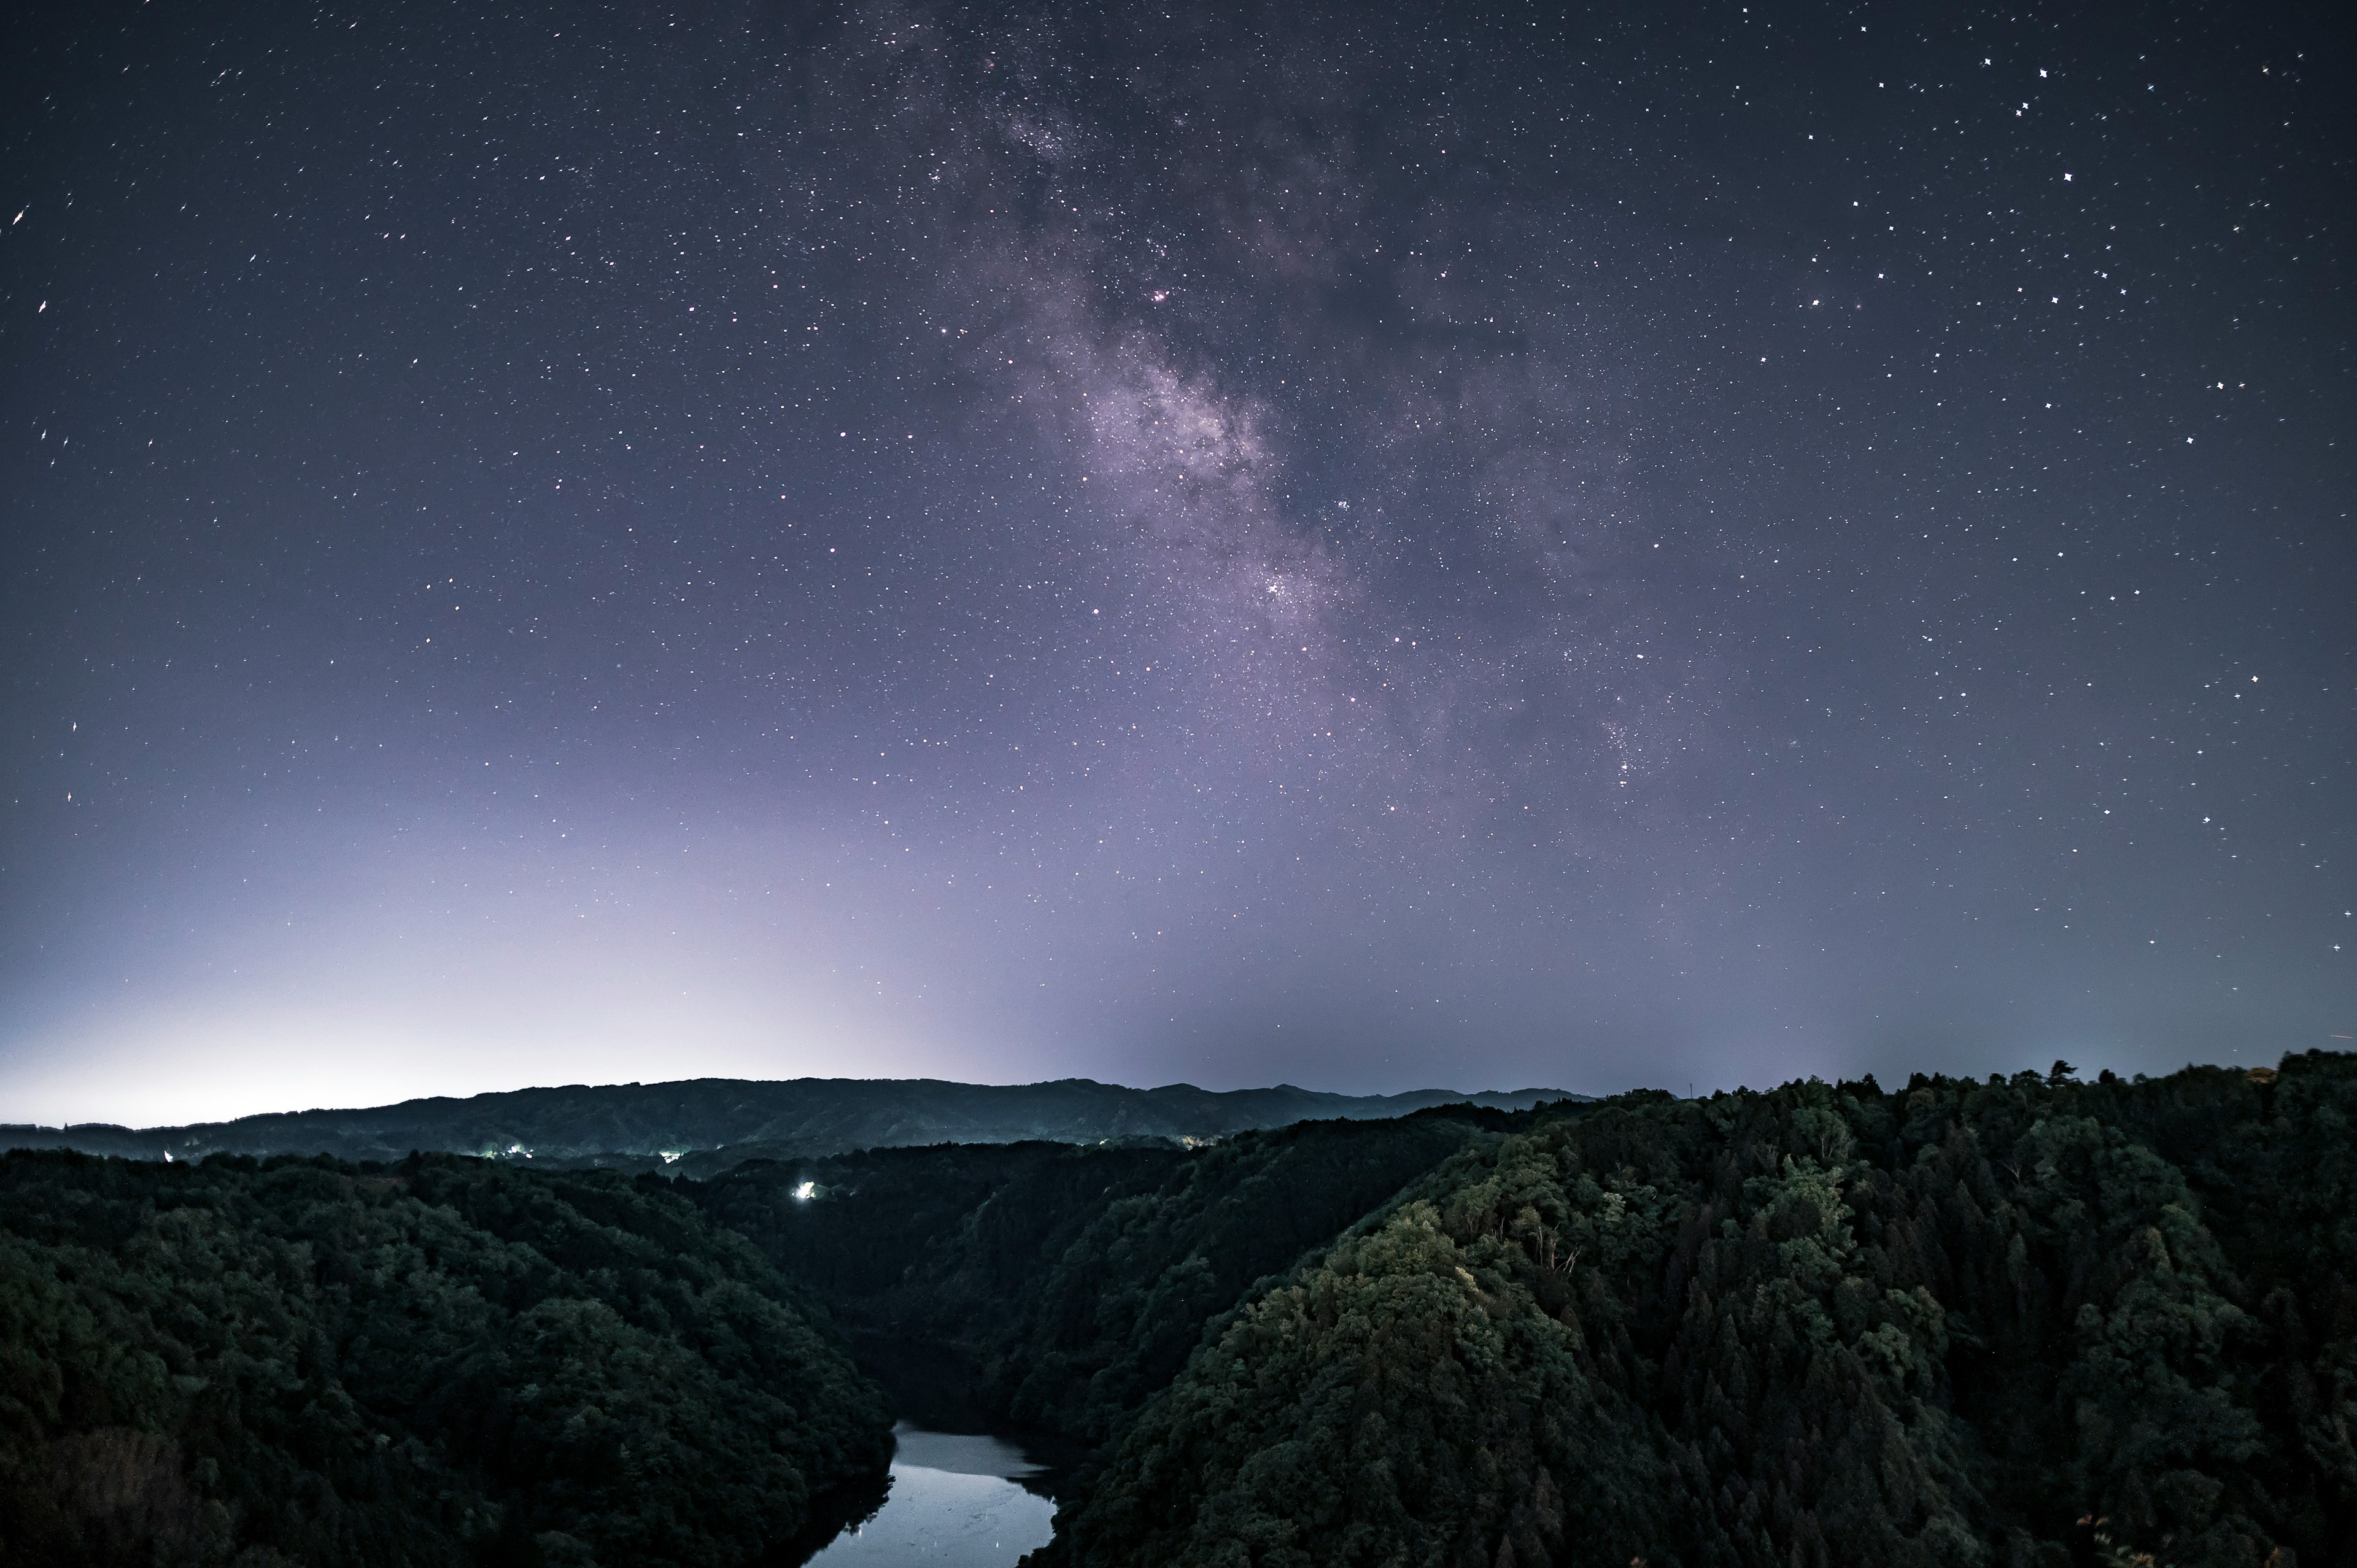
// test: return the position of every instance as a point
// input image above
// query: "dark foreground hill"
(703, 1125)
(438, 1363)
(2024, 1323)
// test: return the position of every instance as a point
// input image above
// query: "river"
(956, 1501)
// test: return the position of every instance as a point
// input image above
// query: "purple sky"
(1375, 549)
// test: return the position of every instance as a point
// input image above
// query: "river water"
(956, 1501)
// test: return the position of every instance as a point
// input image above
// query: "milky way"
(1371, 548)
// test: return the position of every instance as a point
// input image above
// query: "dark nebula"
(1369, 547)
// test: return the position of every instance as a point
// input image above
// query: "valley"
(2028, 1319)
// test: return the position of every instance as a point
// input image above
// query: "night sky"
(1373, 547)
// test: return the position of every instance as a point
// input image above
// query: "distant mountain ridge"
(700, 1125)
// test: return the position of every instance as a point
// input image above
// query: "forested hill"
(444, 1363)
(703, 1125)
(2019, 1323)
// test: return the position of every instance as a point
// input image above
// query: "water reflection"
(955, 1501)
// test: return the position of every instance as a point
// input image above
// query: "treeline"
(701, 1126)
(443, 1361)
(2027, 1322)
(1076, 1279)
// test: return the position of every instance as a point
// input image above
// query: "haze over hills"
(701, 1126)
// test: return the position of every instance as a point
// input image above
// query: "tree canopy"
(442, 1361)
(2024, 1321)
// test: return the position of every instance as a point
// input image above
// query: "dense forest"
(443, 1361)
(2025, 1322)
